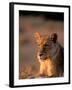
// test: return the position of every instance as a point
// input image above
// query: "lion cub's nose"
(41, 54)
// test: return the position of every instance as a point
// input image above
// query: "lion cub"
(50, 55)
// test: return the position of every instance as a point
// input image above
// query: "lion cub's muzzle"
(43, 56)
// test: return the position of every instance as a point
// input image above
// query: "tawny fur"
(47, 67)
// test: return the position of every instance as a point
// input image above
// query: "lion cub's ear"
(39, 38)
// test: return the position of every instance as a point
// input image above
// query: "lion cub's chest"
(46, 67)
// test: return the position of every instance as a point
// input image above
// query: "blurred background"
(30, 22)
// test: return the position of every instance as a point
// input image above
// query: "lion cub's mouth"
(43, 58)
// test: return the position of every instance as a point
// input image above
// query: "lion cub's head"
(46, 45)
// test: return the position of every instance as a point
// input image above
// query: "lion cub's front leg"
(42, 69)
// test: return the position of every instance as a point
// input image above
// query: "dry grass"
(28, 72)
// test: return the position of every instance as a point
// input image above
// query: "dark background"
(47, 15)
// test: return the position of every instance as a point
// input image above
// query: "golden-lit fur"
(47, 67)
